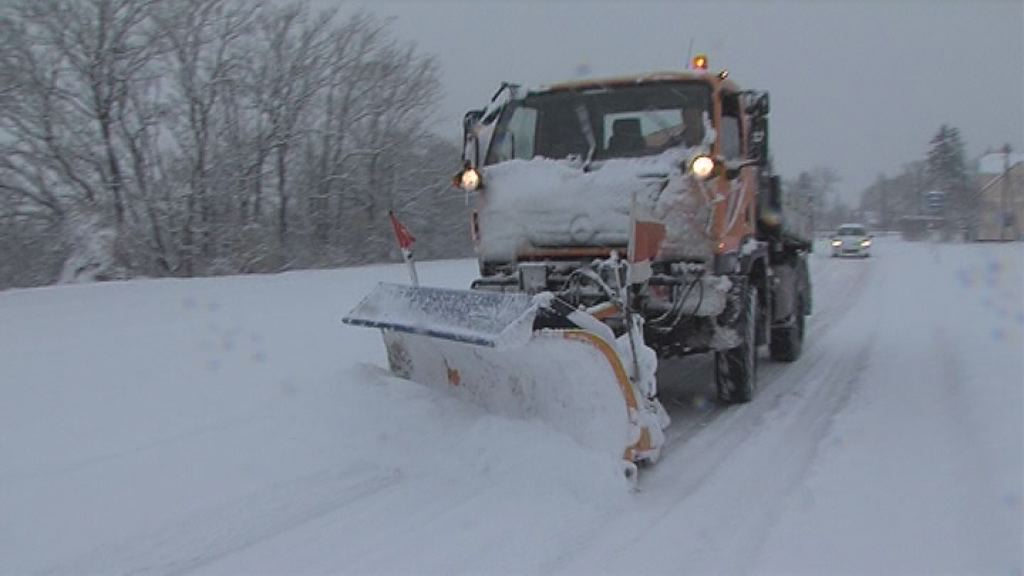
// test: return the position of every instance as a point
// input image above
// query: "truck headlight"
(702, 166)
(470, 179)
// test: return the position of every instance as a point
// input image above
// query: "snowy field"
(235, 426)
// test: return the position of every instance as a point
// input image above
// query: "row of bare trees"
(816, 190)
(195, 137)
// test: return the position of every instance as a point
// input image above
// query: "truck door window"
(515, 138)
(731, 138)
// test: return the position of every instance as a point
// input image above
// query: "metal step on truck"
(616, 221)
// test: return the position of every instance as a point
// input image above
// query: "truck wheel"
(736, 368)
(787, 343)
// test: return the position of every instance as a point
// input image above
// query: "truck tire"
(736, 368)
(787, 342)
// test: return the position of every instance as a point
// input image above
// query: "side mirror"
(469, 120)
(470, 145)
(757, 148)
(759, 106)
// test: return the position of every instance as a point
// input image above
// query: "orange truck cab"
(565, 176)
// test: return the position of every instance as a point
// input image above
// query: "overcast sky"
(860, 86)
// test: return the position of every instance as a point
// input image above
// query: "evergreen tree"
(947, 173)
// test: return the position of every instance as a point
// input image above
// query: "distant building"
(1001, 197)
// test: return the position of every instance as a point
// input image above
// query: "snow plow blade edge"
(467, 316)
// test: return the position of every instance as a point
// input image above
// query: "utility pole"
(882, 197)
(1004, 203)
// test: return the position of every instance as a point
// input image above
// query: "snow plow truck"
(616, 221)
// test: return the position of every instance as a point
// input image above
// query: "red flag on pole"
(402, 234)
(405, 240)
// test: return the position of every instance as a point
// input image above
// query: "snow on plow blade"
(482, 346)
(472, 317)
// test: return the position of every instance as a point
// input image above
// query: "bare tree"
(77, 65)
(203, 39)
(102, 54)
(142, 136)
(296, 47)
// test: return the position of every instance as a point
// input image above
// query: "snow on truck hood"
(542, 203)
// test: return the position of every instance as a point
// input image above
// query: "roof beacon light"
(700, 62)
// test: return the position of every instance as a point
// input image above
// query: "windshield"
(620, 121)
(851, 231)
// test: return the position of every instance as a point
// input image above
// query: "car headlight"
(865, 243)
(837, 243)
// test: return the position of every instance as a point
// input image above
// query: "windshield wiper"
(584, 117)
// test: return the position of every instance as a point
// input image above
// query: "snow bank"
(235, 425)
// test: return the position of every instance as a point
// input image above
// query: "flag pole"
(646, 234)
(407, 256)
(405, 241)
(628, 291)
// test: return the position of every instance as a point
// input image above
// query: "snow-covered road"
(233, 426)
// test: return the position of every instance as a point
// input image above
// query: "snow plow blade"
(490, 349)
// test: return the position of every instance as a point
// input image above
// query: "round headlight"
(702, 166)
(470, 179)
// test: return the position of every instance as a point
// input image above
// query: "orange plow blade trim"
(571, 379)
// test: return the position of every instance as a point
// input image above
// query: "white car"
(851, 240)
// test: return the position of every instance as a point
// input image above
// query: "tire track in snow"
(158, 442)
(688, 492)
(806, 435)
(688, 384)
(215, 533)
(916, 424)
